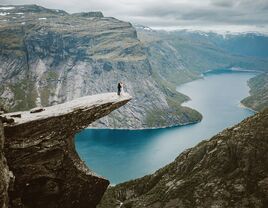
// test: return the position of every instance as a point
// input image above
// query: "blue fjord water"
(121, 155)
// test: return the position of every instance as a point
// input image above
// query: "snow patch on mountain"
(7, 8)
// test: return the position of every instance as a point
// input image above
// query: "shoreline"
(150, 128)
(241, 105)
(233, 69)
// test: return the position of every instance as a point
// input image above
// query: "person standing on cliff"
(119, 88)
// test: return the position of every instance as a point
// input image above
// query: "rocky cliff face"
(4, 172)
(50, 56)
(229, 170)
(40, 152)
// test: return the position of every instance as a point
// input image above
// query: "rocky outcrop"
(4, 172)
(40, 151)
(229, 170)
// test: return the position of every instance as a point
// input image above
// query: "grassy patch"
(24, 94)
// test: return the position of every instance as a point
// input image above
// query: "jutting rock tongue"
(40, 151)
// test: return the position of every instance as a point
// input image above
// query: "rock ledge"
(40, 152)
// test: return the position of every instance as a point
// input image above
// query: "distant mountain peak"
(142, 27)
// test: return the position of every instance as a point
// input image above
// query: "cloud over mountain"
(236, 15)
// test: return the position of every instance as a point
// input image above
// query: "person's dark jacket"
(119, 88)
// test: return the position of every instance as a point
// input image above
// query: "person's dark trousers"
(118, 92)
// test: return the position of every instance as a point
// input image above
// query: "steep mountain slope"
(251, 44)
(196, 52)
(181, 56)
(50, 56)
(229, 170)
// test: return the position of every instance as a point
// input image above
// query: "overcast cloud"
(219, 15)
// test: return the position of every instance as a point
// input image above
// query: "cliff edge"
(40, 152)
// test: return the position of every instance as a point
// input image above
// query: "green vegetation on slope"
(258, 99)
(175, 114)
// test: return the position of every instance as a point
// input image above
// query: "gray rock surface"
(229, 170)
(40, 151)
(4, 172)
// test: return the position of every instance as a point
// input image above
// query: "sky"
(206, 15)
